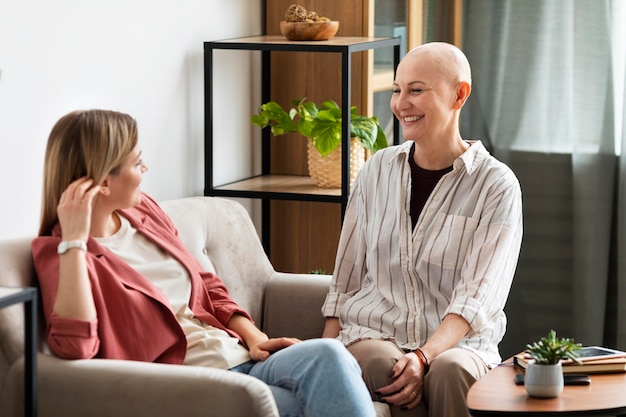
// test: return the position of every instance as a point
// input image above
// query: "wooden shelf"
(280, 43)
(281, 184)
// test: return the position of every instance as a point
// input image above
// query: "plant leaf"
(326, 136)
(305, 127)
(259, 120)
(330, 105)
(365, 129)
(272, 114)
(381, 139)
(550, 350)
(308, 110)
(322, 125)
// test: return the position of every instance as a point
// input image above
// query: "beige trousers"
(445, 387)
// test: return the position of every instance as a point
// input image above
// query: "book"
(595, 360)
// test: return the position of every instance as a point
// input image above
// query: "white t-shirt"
(206, 345)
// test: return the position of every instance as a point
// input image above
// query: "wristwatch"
(66, 245)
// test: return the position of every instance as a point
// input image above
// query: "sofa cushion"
(220, 234)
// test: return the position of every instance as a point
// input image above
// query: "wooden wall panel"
(305, 235)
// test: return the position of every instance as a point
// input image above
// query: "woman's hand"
(406, 391)
(74, 209)
(261, 351)
(259, 344)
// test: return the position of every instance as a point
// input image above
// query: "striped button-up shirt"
(393, 281)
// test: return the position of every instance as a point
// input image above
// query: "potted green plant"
(323, 126)
(544, 374)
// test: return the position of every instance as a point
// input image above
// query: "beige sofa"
(221, 235)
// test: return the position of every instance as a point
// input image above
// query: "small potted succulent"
(544, 374)
(323, 126)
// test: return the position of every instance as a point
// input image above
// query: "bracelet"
(423, 360)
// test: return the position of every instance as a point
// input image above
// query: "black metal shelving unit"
(283, 187)
(28, 296)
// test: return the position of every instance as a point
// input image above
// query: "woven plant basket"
(326, 170)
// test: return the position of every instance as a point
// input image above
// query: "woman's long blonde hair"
(91, 143)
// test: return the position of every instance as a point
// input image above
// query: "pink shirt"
(134, 319)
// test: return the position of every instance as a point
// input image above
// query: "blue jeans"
(314, 378)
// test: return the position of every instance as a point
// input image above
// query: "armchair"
(220, 234)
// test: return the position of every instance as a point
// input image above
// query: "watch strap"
(66, 245)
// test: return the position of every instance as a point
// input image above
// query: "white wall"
(142, 57)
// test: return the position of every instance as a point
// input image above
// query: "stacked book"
(595, 360)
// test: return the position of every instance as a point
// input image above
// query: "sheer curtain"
(544, 101)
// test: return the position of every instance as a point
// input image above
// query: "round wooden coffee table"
(496, 394)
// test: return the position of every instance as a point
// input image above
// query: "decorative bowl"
(309, 31)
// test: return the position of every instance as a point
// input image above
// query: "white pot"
(544, 381)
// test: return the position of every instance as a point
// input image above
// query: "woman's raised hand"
(74, 209)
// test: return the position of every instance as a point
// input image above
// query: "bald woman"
(428, 248)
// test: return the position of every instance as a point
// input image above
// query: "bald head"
(446, 59)
(432, 84)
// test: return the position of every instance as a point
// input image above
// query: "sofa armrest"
(99, 387)
(292, 305)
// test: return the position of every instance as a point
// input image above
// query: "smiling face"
(122, 186)
(429, 90)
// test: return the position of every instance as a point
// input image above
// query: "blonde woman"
(118, 283)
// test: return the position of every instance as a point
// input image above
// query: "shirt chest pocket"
(446, 246)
